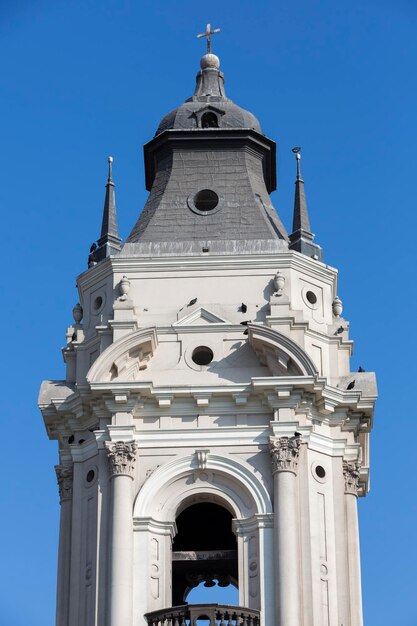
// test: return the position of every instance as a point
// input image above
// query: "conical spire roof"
(109, 242)
(301, 239)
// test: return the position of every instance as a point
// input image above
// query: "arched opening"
(204, 552)
(209, 120)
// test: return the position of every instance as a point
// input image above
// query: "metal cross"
(208, 34)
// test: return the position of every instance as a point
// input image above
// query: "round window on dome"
(206, 200)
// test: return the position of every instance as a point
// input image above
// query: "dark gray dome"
(229, 115)
(209, 106)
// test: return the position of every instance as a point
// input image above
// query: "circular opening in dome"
(90, 476)
(320, 471)
(311, 297)
(206, 200)
(98, 302)
(202, 355)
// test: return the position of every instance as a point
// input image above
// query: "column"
(351, 472)
(122, 458)
(285, 452)
(64, 475)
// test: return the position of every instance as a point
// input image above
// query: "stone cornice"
(294, 324)
(82, 452)
(251, 524)
(213, 437)
(94, 275)
(148, 524)
(207, 264)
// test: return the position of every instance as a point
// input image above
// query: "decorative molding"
(251, 524)
(351, 473)
(124, 358)
(148, 524)
(287, 351)
(279, 283)
(122, 458)
(124, 288)
(284, 453)
(237, 486)
(202, 458)
(64, 476)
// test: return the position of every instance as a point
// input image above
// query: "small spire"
(210, 81)
(301, 239)
(109, 242)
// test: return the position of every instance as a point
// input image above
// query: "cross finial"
(208, 34)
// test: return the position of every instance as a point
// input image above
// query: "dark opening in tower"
(204, 550)
(209, 120)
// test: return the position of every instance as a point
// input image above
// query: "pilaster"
(351, 473)
(122, 457)
(285, 453)
(64, 474)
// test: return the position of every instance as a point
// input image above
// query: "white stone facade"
(268, 430)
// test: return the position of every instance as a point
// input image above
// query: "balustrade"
(215, 614)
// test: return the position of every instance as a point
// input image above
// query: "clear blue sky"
(84, 79)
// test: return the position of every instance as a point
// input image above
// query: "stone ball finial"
(209, 61)
(77, 313)
(337, 307)
(124, 287)
(279, 282)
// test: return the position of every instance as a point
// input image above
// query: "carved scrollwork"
(284, 453)
(351, 473)
(64, 476)
(122, 457)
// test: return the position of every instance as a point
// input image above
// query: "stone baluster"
(64, 476)
(122, 458)
(351, 472)
(285, 453)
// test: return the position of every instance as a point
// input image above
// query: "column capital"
(351, 473)
(284, 453)
(64, 474)
(122, 458)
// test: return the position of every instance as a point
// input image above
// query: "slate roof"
(232, 158)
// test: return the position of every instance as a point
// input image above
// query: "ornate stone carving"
(337, 307)
(284, 453)
(279, 283)
(202, 458)
(124, 288)
(77, 313)
(351, 472)
(122, 457)
(64, 476)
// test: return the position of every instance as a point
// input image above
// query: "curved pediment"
(281, 355)
(125, 358)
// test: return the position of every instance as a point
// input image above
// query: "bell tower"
(210, 430)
